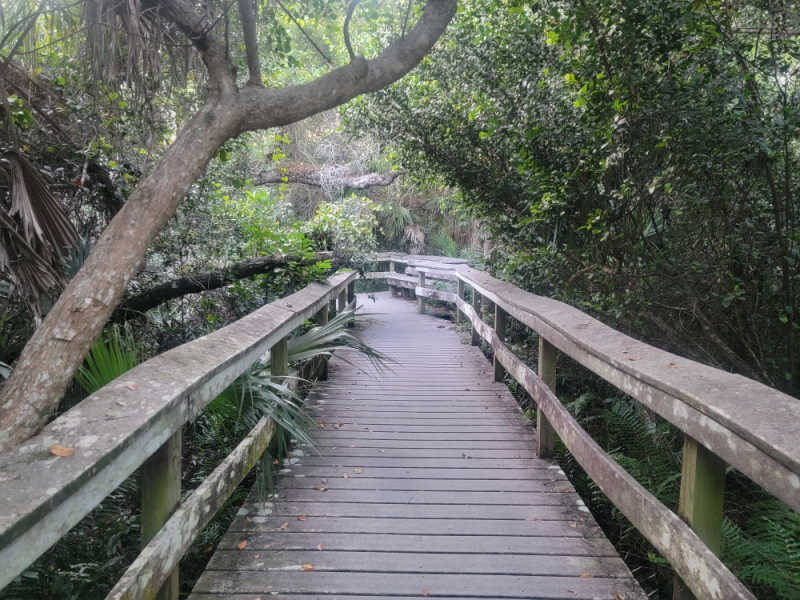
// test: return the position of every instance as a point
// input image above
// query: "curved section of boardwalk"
(424, 483)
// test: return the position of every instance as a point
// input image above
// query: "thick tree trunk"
(209, 280)
(58, 347)
(56, 350)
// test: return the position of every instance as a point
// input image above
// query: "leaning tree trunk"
(56, 350)
(58, 347)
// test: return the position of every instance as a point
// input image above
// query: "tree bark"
(59, 345)
(209, 280)
(336, 176)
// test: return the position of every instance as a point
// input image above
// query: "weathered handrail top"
(116, 429)
(739, 419)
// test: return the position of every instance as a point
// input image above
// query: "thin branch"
(405, 21)
(346, 29)
(248, 20)
(303, 31)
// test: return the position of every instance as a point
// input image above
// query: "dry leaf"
(619, 596)
(132, 386)
(60, 450)
(358, 470)
(585, 574)
(425, 592)
(249, 519)
(321, 488)
(307, 567)
(285, 526)
(319, 546)
(346, 476)
(573, 525)
(301, 518)
(242, 545)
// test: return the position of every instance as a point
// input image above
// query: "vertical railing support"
(461, 291)
(701, 500)
(545, 435)
(342, 300)
(393, 288)
(421, 299)
(500, 329)
(321, 318)
(332, 307)
(161, 494)
(476, 304)
(279, 359)
(351, 292)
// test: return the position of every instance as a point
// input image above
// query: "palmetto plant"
(112, 355)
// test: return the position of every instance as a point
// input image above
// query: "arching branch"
(334, 176)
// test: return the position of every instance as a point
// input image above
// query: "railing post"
(392, 288)
(500, 329)
(321, 318)
(279, 359)
(421, 299)
(545, 435)
(342, 300)
(701, 500)
(351, 292)
(476, 304)
(461, 291)
(161, 494)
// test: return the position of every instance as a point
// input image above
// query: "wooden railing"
(135, 423)
(725, 418)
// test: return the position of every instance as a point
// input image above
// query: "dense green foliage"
(638, 159)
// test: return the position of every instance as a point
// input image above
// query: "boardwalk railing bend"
(135, 422)
(726, 419)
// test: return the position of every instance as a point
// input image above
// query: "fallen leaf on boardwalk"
(321, 425)
(275, 462)
(619, 596)
(324, 481)
(132, 386)
(321, 488)
(242, 545)
(585, 574)
(249, 519)
(425, 592)
(258, 556)
(346, 476)
(301, 518)
(573, 525)
(358, 470)
(307, 567)
(319, 546)
(60, 450)
(285, 526)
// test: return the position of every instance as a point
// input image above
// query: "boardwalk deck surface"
(424, 483)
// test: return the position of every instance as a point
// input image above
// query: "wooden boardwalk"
(424, 483)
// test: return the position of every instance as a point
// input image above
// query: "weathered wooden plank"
(378, 542)
(549, 495)
(419, 562)
(416, 526)
(425, 584)
(366, 463)
(451, 485)
(432, 473)
(153, 566)
(526, 454)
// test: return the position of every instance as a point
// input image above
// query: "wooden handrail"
(116, 429)
(744, 423)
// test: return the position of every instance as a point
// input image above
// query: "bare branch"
(332, 176)
(248, 20)
(211, 280)
(303, 31)
(346, 29)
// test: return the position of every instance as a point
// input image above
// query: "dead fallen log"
(210, 280)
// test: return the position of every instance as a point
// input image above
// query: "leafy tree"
(225, 108)
(638, 159)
